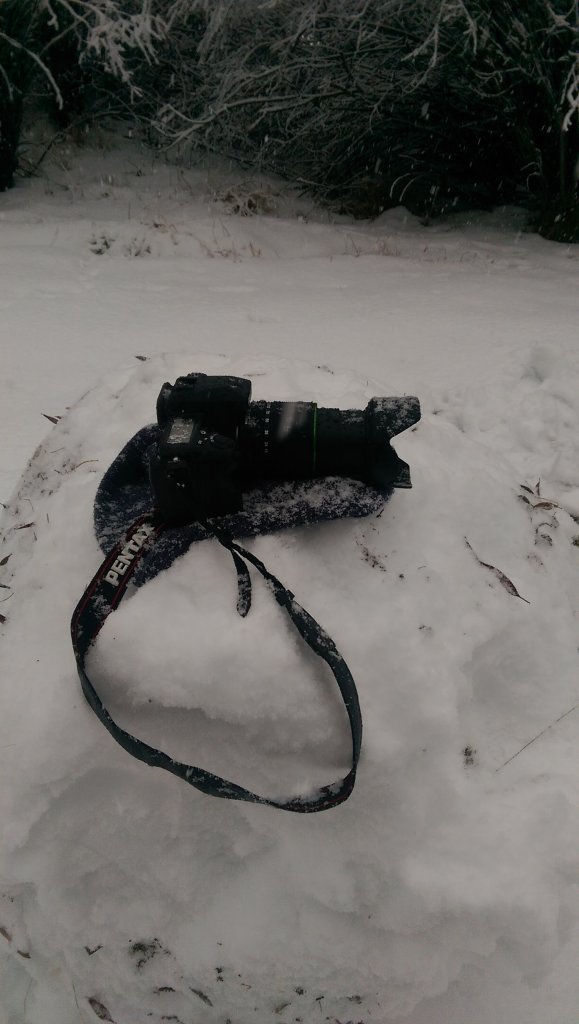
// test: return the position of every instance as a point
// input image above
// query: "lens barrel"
(298, 440)
(277, 441)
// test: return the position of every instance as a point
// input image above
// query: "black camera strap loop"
(105, 592)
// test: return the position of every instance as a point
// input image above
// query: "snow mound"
(127, 896)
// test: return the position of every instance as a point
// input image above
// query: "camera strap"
(105, 592)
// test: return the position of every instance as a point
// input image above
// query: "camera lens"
(298, 440)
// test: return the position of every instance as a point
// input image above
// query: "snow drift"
(127, 896)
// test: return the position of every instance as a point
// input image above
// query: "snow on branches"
(109, 29)
(430, 102)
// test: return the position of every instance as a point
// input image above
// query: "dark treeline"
(434, 104)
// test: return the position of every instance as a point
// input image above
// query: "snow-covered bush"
(429, 103)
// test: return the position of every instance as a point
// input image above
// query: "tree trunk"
(10, 122)
(560, 216)
(16, 19)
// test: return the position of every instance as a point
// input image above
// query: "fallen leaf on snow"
(503, 580)
(100, 1010)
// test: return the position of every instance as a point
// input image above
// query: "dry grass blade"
(539, 734)
(503, 580)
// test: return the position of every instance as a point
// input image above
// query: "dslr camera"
(215, 443)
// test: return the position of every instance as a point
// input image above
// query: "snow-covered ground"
(446, 890)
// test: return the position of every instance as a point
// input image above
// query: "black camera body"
(215, 443)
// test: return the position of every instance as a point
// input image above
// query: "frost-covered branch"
(14, 44)
(107, 29)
